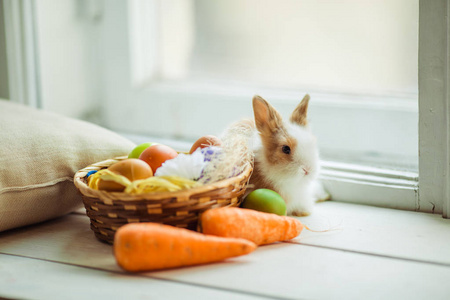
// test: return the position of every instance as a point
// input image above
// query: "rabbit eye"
(286, 149)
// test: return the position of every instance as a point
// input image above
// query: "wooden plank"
(302, 272)
(25, 278)
(285, 270)
(379, 231)
(68, 239)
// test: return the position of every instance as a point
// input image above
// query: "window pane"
(345, 46)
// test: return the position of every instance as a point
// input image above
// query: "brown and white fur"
(286, 158)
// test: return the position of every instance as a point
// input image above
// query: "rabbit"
(286, 156)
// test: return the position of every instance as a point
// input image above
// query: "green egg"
(265, 200)
(136, 152)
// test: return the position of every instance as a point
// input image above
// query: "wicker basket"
(110, 210)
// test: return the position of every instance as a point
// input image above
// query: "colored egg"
(265, 200)
(156, 155)
(211, 153)
(205, 141)
(90, 173)
(136, 152)
(132, 168)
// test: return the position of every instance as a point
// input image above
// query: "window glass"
(367, 47)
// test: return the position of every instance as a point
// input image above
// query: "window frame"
(22, 52)
(434, 106)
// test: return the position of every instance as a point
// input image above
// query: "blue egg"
(90, 173)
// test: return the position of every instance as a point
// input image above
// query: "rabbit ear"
(267, 119)
(299, 115)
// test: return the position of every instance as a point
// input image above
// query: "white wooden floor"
(373, 253)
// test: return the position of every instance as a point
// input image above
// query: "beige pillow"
(39, 155)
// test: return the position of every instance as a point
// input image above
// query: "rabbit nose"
(306, 170)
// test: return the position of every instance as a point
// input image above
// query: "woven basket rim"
(186, 193)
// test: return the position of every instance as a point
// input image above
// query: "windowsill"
(376, 252)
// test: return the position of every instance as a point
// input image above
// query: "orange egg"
(206, 141)
(132, 168)
(156, 155)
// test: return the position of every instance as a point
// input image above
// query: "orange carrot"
(258, 227)
(152, 246)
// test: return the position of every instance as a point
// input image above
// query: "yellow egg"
(132, 168)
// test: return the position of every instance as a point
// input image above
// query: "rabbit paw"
(297, 213)
(320, 194)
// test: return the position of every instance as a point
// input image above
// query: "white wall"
(69, 51)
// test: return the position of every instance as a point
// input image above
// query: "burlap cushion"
(39, 155)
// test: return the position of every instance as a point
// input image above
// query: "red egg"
(156, 155)
(205, 141)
